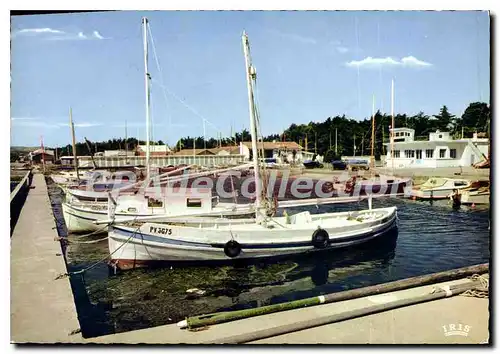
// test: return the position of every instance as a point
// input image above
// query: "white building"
(154, 150)
(116, 153)
(284, 151)
(439, 151)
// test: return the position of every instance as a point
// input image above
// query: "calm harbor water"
(430, 238)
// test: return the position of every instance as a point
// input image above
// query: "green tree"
(475, 117)
(330, 156)
(445, 120)
(14, 156)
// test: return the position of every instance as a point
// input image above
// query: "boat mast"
(146, 80)
(72, 127)
(126, 143)
(372, 157)
(250, 73)
(392, 125)
(315, 143)
(43, 153)
(335, 141)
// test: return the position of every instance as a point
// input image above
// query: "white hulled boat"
(439, 188)
(201, 239)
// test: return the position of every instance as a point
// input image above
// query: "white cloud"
(370, 62)
(412, 61)
(98, 35)
(58, 35)
(40, 30)
(87, 125)
(24, 118)
(81, 125)
(42, 122)
(32, 123)
(342, 50)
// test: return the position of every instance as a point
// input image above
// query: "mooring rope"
(94, 232)
(81, 271)
(86, 242)
(66, 239)
(481, 291)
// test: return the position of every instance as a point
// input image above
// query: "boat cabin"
(445, 183)
(168, 201)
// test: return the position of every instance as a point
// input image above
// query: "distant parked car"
(355, 165)
(339, 165)
(312, 164)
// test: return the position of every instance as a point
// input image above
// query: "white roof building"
(155, 149)
(441, 150)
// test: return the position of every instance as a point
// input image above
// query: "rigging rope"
(357, 67)
(160, 74)
(165, 90)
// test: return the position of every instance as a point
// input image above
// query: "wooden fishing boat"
(89, 216)
(141, 241)
(65, 178)
(439, 188)
(84, 210)
(477, 193)
(200, 239)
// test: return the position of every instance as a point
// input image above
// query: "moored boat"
(81, 217)
(199, 238)
(204, 240)
(477, 193)
(439, 188)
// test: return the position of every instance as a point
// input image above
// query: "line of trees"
(353, 136)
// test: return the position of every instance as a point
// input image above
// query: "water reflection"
(149, 297)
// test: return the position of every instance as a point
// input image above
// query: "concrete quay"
(418, 324)
(42, 308)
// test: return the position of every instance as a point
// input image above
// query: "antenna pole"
(372, 159)
(392, 124)
(146, 80)
(335, 141)
(126, 143)
(72, 127)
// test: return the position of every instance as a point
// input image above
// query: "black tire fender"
(320, 238)
(232, 249)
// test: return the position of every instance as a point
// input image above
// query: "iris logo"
(456, 330)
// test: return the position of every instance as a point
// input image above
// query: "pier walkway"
(42, 309)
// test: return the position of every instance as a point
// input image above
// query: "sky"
(310, 66)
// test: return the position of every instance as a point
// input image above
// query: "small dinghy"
(439, 188)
